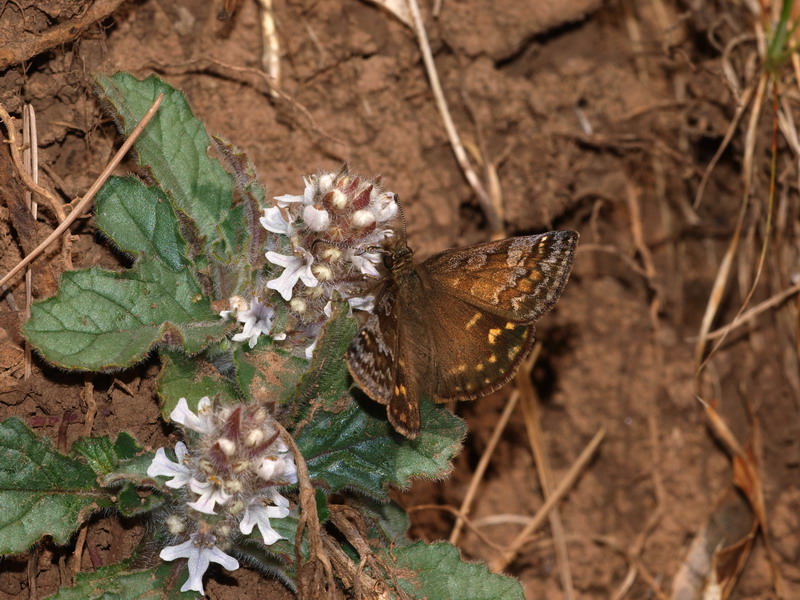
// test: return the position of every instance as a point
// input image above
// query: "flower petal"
(210, 496)
(296, 268)
(218, 556)
(199, 422)
(164, 467)
(316, 219)
(256, 514)
(198, 563)
(274, 221)
(287, 199)
(179, 551)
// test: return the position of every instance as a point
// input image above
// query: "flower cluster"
(230, 473)
(321, 242)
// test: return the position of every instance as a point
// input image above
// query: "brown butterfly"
(456, 326)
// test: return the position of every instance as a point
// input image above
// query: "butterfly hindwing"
(372, 355)
(476, 352)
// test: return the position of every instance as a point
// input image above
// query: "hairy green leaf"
(103, 456)
(122, 582)
(185, 377)
(356, 449)
(100, 319)
(175, 147)
(42, 492)
(440, 573)
(326, 379)
(140, 221)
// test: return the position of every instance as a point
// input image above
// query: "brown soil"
(597, 116)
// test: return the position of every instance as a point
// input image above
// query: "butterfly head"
(397, 257)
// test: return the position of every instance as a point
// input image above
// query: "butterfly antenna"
(358, 250)
(402, 216)
(332, 243)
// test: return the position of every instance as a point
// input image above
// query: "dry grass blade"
(563, 487)
(271, 49)
(532, 414)
(718, 289)
(493, 218)
(473, 527)
(759, 308)
(398, 8)
(30, 159)
(84, 203)
(747, 477)
(19, 162)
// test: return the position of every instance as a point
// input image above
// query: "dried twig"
(759, 308)
(314, 576)
(19, 163)
(468, 523)
(715, 298)
(271, 50)
(480, 471)
(83, 205)
(532, 415)
(493, 217)
(563, 487)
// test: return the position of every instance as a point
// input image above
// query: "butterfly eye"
(388, 260)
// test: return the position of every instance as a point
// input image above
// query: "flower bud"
(233, 486)
(331, 254)
(254, 438)
(363, 218)
(298, 305)
(227, 446)
(175, 524)
(322, 272)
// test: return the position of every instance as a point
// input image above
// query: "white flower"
(365, 262)
(366, 303)
(296, 268)
(210, 495)
(278, 468)
(256, 514)
(200, 422)
(161, 465)
(385, 207)
(274, 221)
(316, 219)
(257, 319)
(200, 550)
(306, 198)
(310, 350)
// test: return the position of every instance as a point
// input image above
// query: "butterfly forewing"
(518, 278)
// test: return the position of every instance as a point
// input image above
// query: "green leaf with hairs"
(326, 379)
(175, 148)
(357, 448)
(42, 492)
(100, 319)
(140, 221)
(439, 572)
(123, 582)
